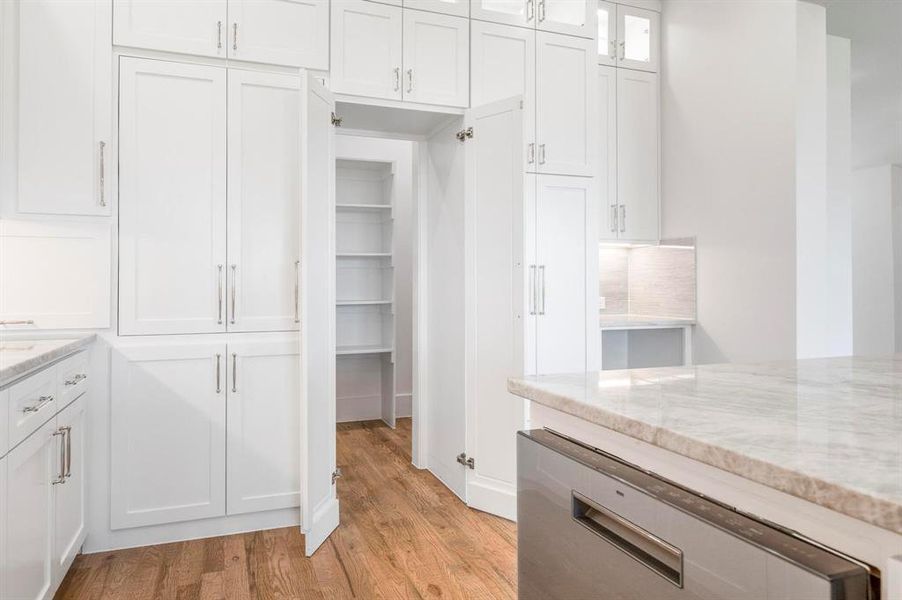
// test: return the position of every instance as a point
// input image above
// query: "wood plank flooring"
(402, 535)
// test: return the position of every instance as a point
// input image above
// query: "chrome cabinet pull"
(219, 35)
(61, 478)
(530, 10)
(542, 277)
(234, 270)
(409, 81)
(541, 154)
(297, 291)
(37, 406)
(541, 10)
(102, 175)
(76, 380)
(622, 51)
(219, 310)
(614, 218)
(532, 289)
(622, 217)
(397, 78)
(234, 36)
(234, 372)
(530, 153)
(612, 52)
(218, 379)
(68, 431)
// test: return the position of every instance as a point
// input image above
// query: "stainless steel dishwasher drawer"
(593, 527)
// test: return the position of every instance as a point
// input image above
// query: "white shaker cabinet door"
(638, 38)
(62, 138)
(609, 211)
(69, 504)
(32, 468)
(562, 246)
(280, 32)
(172, 195)
(263, 201)
(264, 390)
(436, 59)
(366, 49)
(168, 434)
(638, 172)
(187, 26)
(503, 64)
(458, 8)
(565, 104)
(571, 17)
(506, 12)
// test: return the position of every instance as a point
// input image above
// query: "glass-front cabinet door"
(638, 38)
(571, 17)
(606, 18)
(508, 12)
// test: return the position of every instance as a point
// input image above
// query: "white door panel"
(638, 171)
(172, 165)
(168, 434)
(530, 275)
(189, 26)
(436, 58)
(565, 104)
(507, 12)
(69, 523)
(262, 429)
(366, 49)
(607, 154)
(263, 201)
(571, 17)
(458, 8)
(280, 32)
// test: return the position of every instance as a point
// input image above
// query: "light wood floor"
(402, 535)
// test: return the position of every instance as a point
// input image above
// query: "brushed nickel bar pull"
(297, 291)
(530, 10)
(218, 379)
(614, 218)
(409, 81)
(61, 478)
(541, 154)
(68, 431)
(234, 276)
(530, 153)
(541, 10)
(28, 322)
(76, 380)
(102, 176)
(235, 36)
(622, 217)
(532, 289)
(542, 274)
(37, 406)
(234, 372)
(397, 78)
(219, 310)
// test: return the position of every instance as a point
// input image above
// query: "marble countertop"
(629, 321)
(18, 357)
(825, 430)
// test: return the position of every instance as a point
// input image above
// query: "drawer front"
(31, 403)
(72, 378)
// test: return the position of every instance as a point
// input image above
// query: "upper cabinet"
(606, 21)
(55, 152)
(628, 37)
(282, 32)
(572, 17)
(383, 51)
(458, 8)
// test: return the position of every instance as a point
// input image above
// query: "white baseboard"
(403, 405)
(358, 408)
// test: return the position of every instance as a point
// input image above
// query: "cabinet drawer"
(72, 378)
(31, 402)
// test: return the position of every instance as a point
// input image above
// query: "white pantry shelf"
(363, 254)
(362, 302)
(363, 206)
(367, 349)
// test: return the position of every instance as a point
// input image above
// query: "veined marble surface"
(825, 430)
(18, 357)
(631, 321)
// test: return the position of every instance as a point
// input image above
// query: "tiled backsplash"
(648, 280)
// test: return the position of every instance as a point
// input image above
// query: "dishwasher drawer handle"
(653, 552)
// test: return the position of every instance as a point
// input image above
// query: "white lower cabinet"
(4, 571)
(183, 411)
(69, 505)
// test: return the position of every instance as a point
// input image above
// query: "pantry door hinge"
(464, 134)
(336, 474)
(467, 462)
(336, 120)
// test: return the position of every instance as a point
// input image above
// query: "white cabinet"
(4, 571)
(503, 64)
(172, 186)
(458, 8)
(168, 434)
(561, 229)
(33, 467)
(606, 22)
(282, 32)
(263, 453)
(571, 17)
(638, 170)
(55, 150)
(565, 105)
(69, 503)
(263, 192)
(507, 12)
(638, 38)
(366, 49)
(606, 174)
(436, 58)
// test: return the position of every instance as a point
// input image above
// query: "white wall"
(728, 121)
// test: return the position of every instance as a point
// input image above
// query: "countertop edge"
(19, 370)
(859, 505)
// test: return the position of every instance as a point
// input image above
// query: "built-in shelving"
(374, 349)
(363, 206)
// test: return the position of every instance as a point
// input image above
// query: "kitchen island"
(812, 445)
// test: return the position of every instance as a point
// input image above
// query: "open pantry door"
(494, 242)
(319, 503)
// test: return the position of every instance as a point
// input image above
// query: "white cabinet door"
(565, 104)
(507, 12)
(64, 109)
(562, 246)
(530, 275)
(606, 24)
(638, 170)
(4, 571)
(436, 58)
(503, 64)
(263, 201)
(167, 434)
(607, 153)
(571, 17)
(32, 468)
(458, 8)
(69, 503)
(263, 456)
(188, 26)
(366, 49)
(638, 38)
(280, 32)
(172, 190)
